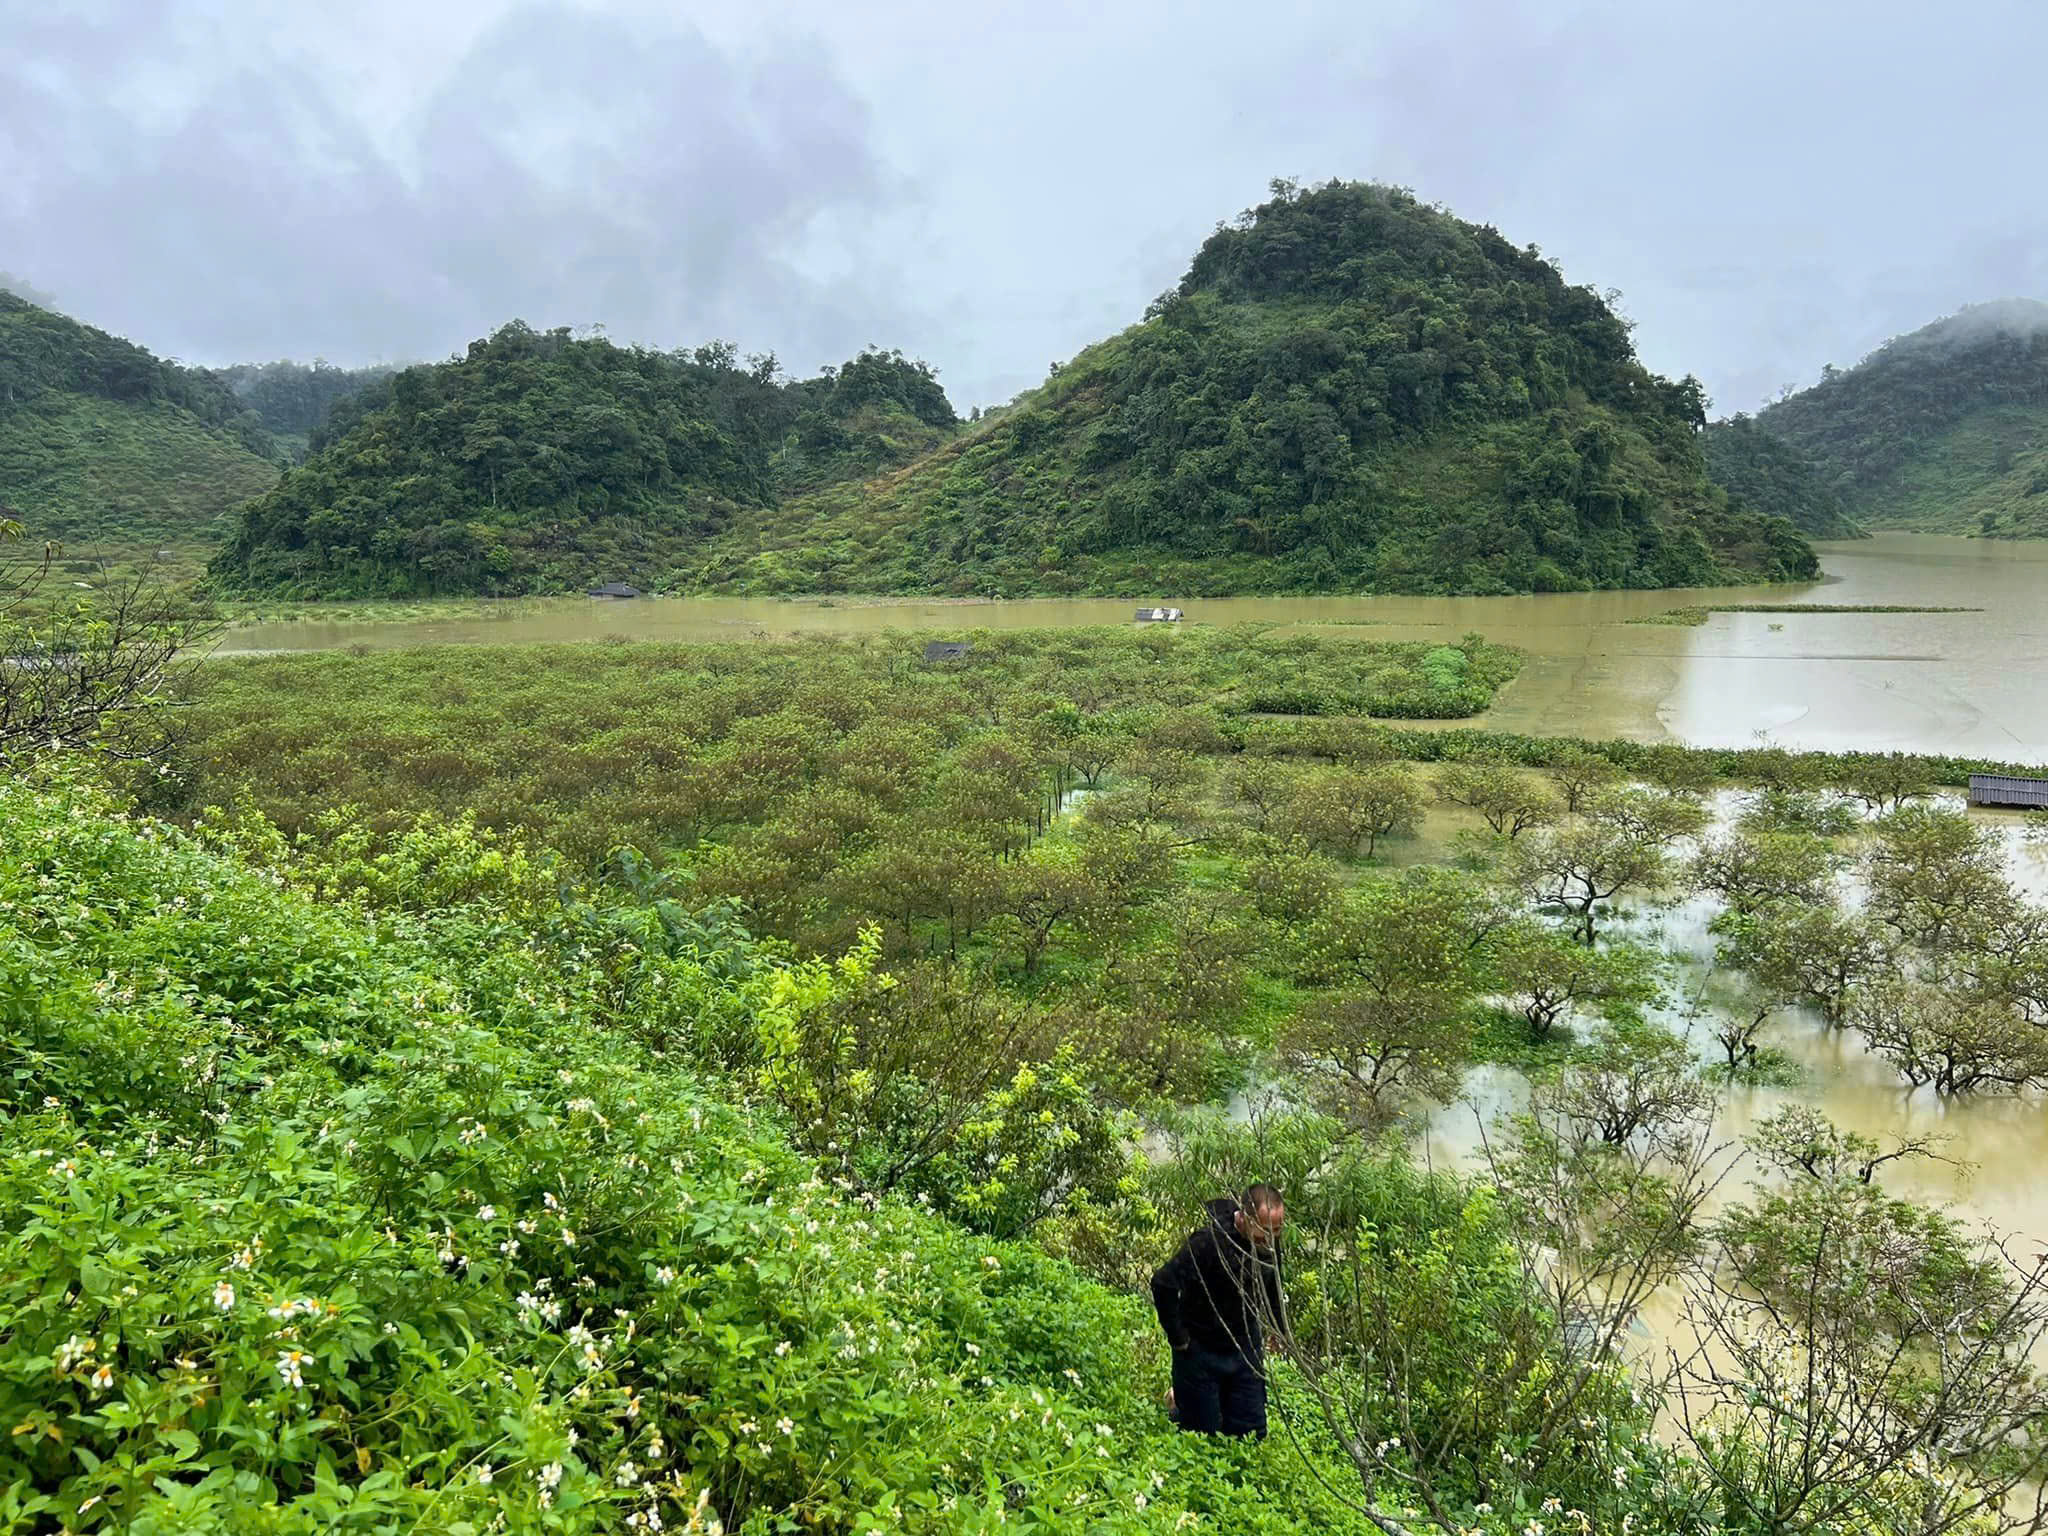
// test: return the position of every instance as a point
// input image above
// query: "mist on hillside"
(2022, 319)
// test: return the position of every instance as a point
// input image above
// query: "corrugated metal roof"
(2003, 789)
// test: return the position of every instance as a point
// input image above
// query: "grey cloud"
(572, 168)
(994, 186)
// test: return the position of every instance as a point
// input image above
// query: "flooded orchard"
(1916, 681)
(1936, 682)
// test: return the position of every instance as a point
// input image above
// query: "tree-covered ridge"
(1350, 390)
(101, 440)
(539, 461)
(1770, 475)
(293, 399)
(43, 353)
(1942, 430)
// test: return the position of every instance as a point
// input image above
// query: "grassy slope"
(82, 469)
(1944, 430)
(1986, 475)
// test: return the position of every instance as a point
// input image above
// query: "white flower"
(786, 1426)
(102, 1378)
(782, 1348)
(664, 1276)
(550, 1475)
(509, 1247)
(288, 1363)
(487, 1213)
(224, 1296)
(484, 1473)
(992, 1262)
(568, 1238)
(1139, 1501)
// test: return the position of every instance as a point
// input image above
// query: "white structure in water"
(1158, 615)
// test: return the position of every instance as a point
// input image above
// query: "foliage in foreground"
(330, 1222)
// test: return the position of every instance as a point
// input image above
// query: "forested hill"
(293, 400)
(101, 440)
(1349, 390)
(1770, 475)
(541, 461)
(1944, 430)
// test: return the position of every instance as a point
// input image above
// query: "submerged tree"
(1622, 844)
(1506, 796)
(1546, 976)
(1953, 1041)
(1750, 869)
(1812, 952)
(1853, 1363)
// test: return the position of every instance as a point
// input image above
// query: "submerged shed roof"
(2003, 789)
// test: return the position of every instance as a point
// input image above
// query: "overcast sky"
(1772, 186)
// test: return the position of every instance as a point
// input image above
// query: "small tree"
(1634, 1080)
(1039, 895)
(1935, 875)
(1953, 1041)
(96, 674)
(1888, 782)
(1546, 976)
(1810, 1411)
(1800, 1139)
(1581, 867)
(1403, 957)
(1749, 869)
(1506, 796)
(1348, 811)
(1579, 775)
(1736, 1028)
(1814, 953)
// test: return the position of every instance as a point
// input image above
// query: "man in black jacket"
(1217, 1298)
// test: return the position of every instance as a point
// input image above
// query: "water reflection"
(1997, 1143)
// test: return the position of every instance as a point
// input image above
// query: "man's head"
(1260, 1215)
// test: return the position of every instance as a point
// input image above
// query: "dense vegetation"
(327, 1220)
(389, 1160)
(1944, 430)
(1768, 474)
(293, 400)
(541, 461)
(1349, 390)
(101, 441)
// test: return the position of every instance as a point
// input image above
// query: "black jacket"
(1210, 1293)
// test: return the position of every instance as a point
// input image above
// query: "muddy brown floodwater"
(1938, 682)
(1948, 682)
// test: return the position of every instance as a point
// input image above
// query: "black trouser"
(1219, 1393)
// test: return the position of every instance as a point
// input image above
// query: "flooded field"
(1995, 1144)
(1946, 682)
